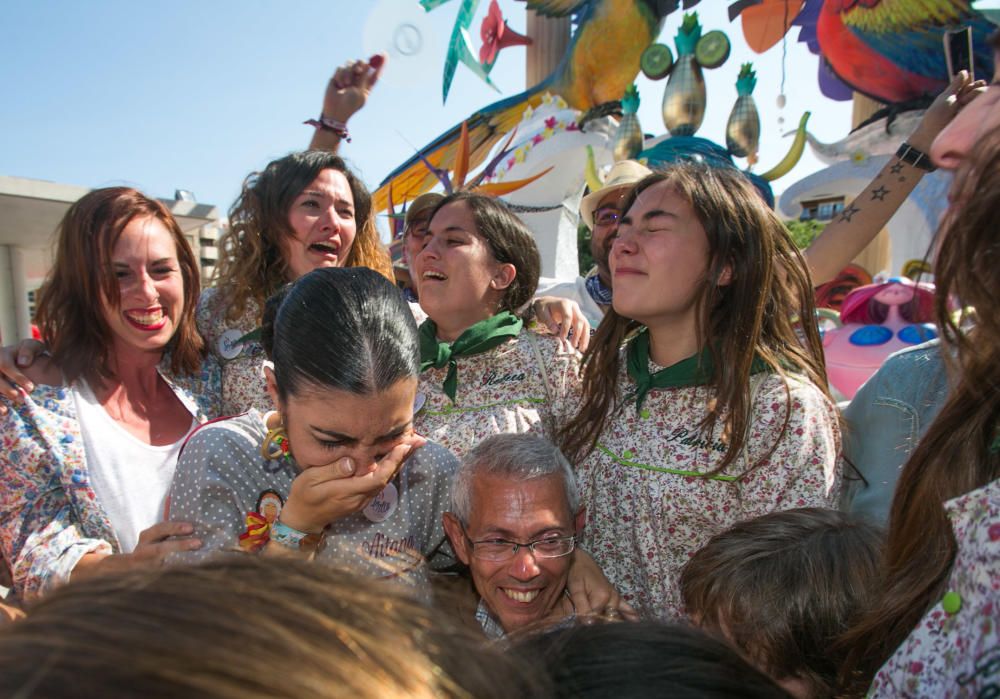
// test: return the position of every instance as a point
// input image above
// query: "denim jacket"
(885, 420)
(49, 513)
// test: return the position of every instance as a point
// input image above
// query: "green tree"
(804, 232)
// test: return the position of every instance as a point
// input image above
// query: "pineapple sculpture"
(684, 97)
(743, 127)
(628, 137)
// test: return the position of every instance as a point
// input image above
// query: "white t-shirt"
(131, 478)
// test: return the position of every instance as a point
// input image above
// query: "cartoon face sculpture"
(875, 321)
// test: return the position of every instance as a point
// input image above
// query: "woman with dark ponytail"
(323, 474)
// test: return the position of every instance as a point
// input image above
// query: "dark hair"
(750, 317)
(252, 263)
(69, 304)
(783, 587)
(246, 626)
(955, 455)
(343, 328)
(644, 659)
(509, 240)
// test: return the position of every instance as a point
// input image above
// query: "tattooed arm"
(858, 224)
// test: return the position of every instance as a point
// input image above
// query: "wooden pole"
(550, 39)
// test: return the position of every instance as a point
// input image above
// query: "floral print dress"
(955, 649)
(528, 384)
(50, 516)
(243, 384)
(649, 508)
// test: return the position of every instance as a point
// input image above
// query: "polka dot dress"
(222, 480)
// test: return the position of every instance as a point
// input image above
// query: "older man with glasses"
(514, 520)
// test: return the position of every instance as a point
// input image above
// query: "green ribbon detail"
(481, 337)
(696, 370)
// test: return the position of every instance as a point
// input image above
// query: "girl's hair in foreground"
(347, 329)
(69, 312)
(639, 660)
(246, 626)
(509, 241)
(959, 451)
(252, 263)
(783, 587)
(755, 315)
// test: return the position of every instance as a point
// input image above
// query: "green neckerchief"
(693, 371)
(481, 337)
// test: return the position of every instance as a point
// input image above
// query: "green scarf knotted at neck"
(481, 337)
(693, 371)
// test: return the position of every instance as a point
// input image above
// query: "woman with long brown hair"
(89, 454)
(701, 404)
(302, 212)
(938, 615)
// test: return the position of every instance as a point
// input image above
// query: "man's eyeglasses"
(504, 550)
(606, 217)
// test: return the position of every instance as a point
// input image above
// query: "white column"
(8, 321)
(19, 287)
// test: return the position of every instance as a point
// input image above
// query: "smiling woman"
(482, 371)
(302, 212)
(92, 448)
(343, 382)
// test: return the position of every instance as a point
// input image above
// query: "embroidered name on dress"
(680, 435)
(492, 378)
(383, 547)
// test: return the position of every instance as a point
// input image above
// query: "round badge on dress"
(384, 504)
(229, 344)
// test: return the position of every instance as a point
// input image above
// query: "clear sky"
(196, 94)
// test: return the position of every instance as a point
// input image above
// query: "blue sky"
(195, 95)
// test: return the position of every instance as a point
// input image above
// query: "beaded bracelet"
(324, 124)
(292, 538)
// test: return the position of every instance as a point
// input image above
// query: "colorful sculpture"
(743, 127)
(875, 321)
(601, 61)
(890, 50)
(628, 138)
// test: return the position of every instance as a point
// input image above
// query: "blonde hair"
(242, 626)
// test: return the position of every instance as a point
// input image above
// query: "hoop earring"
(275, 444)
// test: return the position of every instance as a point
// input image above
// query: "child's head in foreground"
(782, 588)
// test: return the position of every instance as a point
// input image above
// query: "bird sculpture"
(602, 60)
(889, 50)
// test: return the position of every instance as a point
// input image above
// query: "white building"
(30, 211)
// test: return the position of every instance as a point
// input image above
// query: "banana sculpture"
(794, 153)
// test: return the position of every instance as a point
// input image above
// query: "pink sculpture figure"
(875, 321)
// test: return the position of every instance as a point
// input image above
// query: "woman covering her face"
(482, 371)
(329, 457)
(91, 450)
(701, 405)
(302, 212)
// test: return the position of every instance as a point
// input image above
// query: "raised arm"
(346, 93)
(858, 224)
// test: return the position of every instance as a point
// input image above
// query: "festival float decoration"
(743, 127)
(601, 61)
(684, 97)
(875, 321)
(628, 137)
(889, 50)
